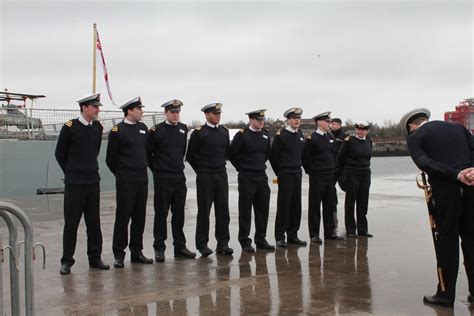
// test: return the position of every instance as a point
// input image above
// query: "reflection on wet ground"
(386, 275)
(330, 279)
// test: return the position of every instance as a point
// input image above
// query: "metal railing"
(39, 123)
(8, 212)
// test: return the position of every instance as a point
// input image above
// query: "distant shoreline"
(390, 153)
(386, 148)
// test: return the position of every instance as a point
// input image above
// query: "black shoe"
(248, 249)
(159, 255)
(351, 235)
(281, 243)
(333, 237)
(264, 245)
(297, 241)
(224, 250)
(140, 258)
(99, 264)
(118, 264)
(65, 269)
(470, 298)
(316, 240)
(437, 300)
(184, 253)
(205, 251)
(366, 235)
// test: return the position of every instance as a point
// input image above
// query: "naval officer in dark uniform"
(318, 162)
(337, 132)
(445, 151)
(339, 135)
(249, 152)
(354, 164)
(76, 152)
(208, 150)
(127, 159)
(166, 149)
(285, 158)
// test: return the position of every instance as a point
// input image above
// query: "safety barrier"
(9, 212)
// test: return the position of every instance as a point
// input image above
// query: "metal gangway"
(9, 212)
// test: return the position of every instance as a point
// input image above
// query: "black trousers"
(212, 188)
(78, 200)
(454, 217)
(169, 193)
(336, 202)
(322, 190)
(357, 185)
(253, 191)
(131, 206)
(288, 217)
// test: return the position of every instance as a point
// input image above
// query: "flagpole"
(94, 54)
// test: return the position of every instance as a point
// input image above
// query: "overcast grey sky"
(377, 59)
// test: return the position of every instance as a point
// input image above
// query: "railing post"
(32, 122)
(29, 284)
(1, 282)
(14, 273)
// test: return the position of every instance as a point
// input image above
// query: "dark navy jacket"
(441, 149)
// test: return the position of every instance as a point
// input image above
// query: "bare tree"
(195, 123)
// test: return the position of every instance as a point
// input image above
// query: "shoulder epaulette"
(266, 130)
(347, 138)
(278, 132)
(309, 136)
(198, 128)
(115, 128)
(68, 123)
(242, 130)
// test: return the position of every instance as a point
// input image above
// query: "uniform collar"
(337, 133)
(320, 132)
(211, 125)
(361, 138)
(291, 129)
(129, 122)
(168, 123)
(254, 130)
(84, 121)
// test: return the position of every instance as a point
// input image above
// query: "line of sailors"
(327, 155)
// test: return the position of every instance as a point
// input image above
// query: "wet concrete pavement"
(386, 275)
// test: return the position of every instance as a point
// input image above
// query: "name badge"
(265, 136)
(331, 141)
(182, 131)
(301, 138)
(142, 131)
